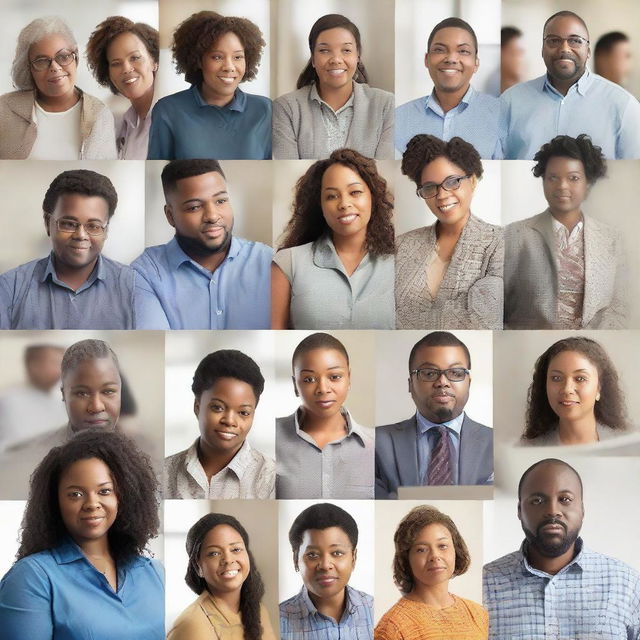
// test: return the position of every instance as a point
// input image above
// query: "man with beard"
(204, 278)
(553, 586)
(568, 99)
(440, 444)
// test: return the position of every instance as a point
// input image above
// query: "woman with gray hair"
(48, 117)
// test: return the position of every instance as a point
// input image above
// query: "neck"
(450, 99)
(143, 103)
(231, 599)
(214, 461)
(578, 432)
(451, 231)
(549, 565)
(310, 423)
(350, 249)
(206, 259)
(333, 607)
(436, 596)
(96, 549)
(336, 98)
(73, 277)
(569, 219)
(507, 81)
(58, 104)
(215, 99)
(563, 86)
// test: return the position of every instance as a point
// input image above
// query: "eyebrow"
(351, 184)
(435, 366)
(78, 486)
(335, 544)
(574, 371)
(221, 401)
(86, 386)
(571, 35)
(335, 366)
(214, 195)
(541, 494)
(220, 546)
(222, 51)
(444, 44)
(126, 54)
(328, 44)
(69, 216)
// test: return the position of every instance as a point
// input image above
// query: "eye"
(336, 376)
(444, 546)
(192, 207)
(566, 499)
(135, 58)
(245, 412)
(110, 392)
(212, 554)
(216, 407)
(309, 379)
(581, 379)
(357, 192)
(323, 50)
(80, 394)
(555, 378)
(535, 501)
(222, 201)
(105, 491)
(115, 63)
(574, 178)
(337, 553)
(239, 56)
(347, 50)
(312, 555)
(437, 50)
(331, 196)
(237, 549)
(75, 494)
(464, 52)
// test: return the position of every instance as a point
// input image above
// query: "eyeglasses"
(430, 189)
(62, 58)
(71, 226)
(574, 42)
(456, 374)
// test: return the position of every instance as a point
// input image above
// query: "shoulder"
(115, 266)
(254, 248)
(92, 103)
(32, 573)
(404, 426)
(359, 597)
(475, 607)
(25, 271)
(523, 89)
(258, 103)
(265, 464)
(286, 423)
(486, 100)
(291, 605)
(412, 105)
(486, 228)
(526, 226)
(294, 97)
(175, 461)
(373, 94)
(173, 101)
(613, 90)
(476, 426)
(504, 566)
(612, 567)
(415, 237)
(18, 100)
(193, 621)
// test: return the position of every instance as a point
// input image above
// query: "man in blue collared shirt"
(453, 108)
(204, 278)
(75, 287)
(554, 587)
(568, 99)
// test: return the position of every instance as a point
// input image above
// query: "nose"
(96, 405)
(442, 381)
(229, 417)
(80, 232)
(344, 203)
(210, 213)
(322, 386)
(554, 510)
(568, 386)
(127, 66)
(565, 46)
(54, 66)
(325, 562)
(227, 63)
(91, 502)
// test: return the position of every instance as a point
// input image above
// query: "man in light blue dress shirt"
(568, 99)
(204, 278)
(454, 107)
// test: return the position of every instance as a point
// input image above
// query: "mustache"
(551, 521)
(567, 56)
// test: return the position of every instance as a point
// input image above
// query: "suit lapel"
(598, 265)
(406, 454)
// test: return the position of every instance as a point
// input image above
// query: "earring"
(597, 397)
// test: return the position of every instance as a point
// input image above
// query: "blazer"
(531, 280)
(397, 456)
(470, 295)
(18, 131)
(299, 131)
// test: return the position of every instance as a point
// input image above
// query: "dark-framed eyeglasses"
(574, 42)
(455, 374)
(65, 225)
(450, 183)
(63, 58)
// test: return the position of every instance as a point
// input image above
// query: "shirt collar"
(353, 428)
(582, 86)
(579, 560)
(176, 256)
(96, 274)
(326, 257)
(431, 102)
(454, 425)
(69, 552)
(239, 463)
(239, 102)
(307, 607)
(314, 95)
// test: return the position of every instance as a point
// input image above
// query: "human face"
(451, 60)
(225, 414)
(565, 185)
(131, 67)
(432, 556)
(200, 210)
(326, 560)
(450, 207)
(512, 59)
(91, 393)
(616, 64)
(573, 386)
(88, 500)
(441, 400)
(224, 562)
(346, 202)
(56, 81)
(564, 64)
(223, 68)
(77, 250)
(43, 367)
(335, 58)
(550, 509)
(322, 379)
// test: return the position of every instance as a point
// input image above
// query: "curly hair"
(307, 222)
(609, 410)
(89, 349)
(135, 484)
(456, 23)
(318, 341)
(423, 149)
(405, 536)
(105, 33)
(580, 148)
(198, 33)
(331, 21)
(252, 588)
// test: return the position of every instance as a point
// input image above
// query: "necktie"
(440, 471)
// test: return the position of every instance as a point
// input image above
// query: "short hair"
(331, 21)
(507, 34)
(457, 23)
(551, 461)
(35, 31)
(135, 485)
(608, 41)
(105, 33)
(565, 14)
(90, 349)
(609, 410)
(199, 32)
(321, 516)
(187, 168)
(83, 182)
(252, 588)
(410, 526)
(33, 350)
(318, 341)
(423, 149)
(580, 148)
(307, 223)
(227, 363)
(439, 339)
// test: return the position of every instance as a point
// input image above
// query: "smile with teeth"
(447, 207)
(131, 80)
(227, 79)
(336, 72)
(230, 573)
(348, 218)
(226, 435)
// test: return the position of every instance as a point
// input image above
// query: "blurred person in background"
(511, 57)
(612, 57)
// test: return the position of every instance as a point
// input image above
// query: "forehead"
(452, 37)
(439, 169)
(220, 535)
(204, 185)
(337, 35)
(325, 537)
(320, 358)
(440, 357)
(77, 205)
(232, 390)
(433, 531)
(571, 361)
(551, 479)
(50, 45)
(566, 26)
(92, 371)
(125, 43)
(86, 472)
(339, 174)
(227, 41)
(562, 164)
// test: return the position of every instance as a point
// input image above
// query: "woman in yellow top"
(429, 552)
(223, 573)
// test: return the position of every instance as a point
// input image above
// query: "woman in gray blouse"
(334, 268)
(333, 106)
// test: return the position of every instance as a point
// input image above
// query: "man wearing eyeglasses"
(74, 287)
(568, 99)
(440, 444)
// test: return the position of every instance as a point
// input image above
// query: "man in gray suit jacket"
(440, 444)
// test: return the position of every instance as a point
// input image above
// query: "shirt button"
(219, 312)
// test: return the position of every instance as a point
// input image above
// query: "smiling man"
(454, 107)
(440, 445)
(204, 278)
(568, 99)
(75, 286)
(553, 586)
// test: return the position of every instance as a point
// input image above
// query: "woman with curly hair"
(449, 274)
(123, 55)
(575, 396)
(429, 552)
(214, 118)
(48, 117)
(223, 572)
(333, 105)
(80, 572)
(563, 269)
(334, 268)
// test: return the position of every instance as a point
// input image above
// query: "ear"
(168, 212)
(475, 68)
(295, 387)
(519, 512)
(409, 385)
(295, 561)
(199, 571)
(47, 220)
(426, 60)
(355, 555)
(196, 407)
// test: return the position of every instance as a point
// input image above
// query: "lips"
(229, 574)
(226, 435)
(348, 219)
(336, 73)
(229, 80)
(213, 231)
(326, 581)
(325, 404)
(58, 79)
(553, 526)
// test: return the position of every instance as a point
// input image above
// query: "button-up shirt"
(175, 292)
(427, 435)
(299, 618)
(534, 112)
(593, 596)
(474, 119)
(336, 123)
(570, 260)
(132, 137)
